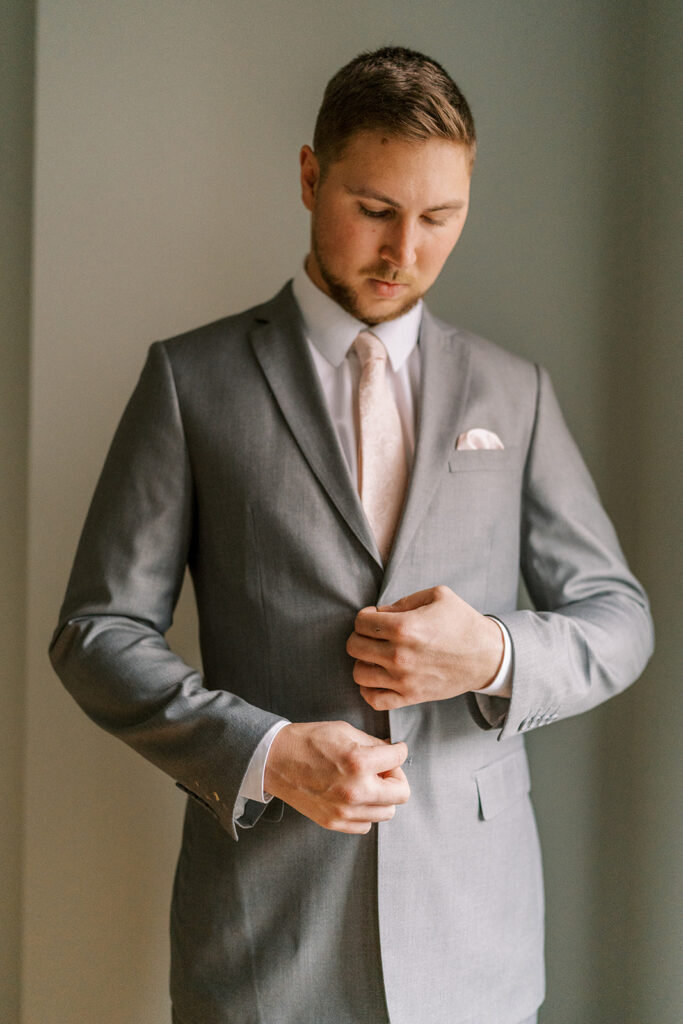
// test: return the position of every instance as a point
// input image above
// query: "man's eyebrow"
(454, 204)
(368, 193)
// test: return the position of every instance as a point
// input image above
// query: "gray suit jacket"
(226, 460)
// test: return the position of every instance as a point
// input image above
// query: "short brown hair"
(393, 90)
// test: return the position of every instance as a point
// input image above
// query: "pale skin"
(384, 219)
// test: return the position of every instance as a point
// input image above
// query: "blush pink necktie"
(382, 472)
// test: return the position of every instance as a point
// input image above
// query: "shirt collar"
(332, 330)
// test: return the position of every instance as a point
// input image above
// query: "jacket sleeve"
(109, 648)
(591, 634)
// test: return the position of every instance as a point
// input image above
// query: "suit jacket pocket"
(468, 459)
(502, 782)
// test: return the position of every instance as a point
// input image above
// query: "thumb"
(410, 602)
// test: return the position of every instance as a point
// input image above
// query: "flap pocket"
(479, 458)
(502, 782)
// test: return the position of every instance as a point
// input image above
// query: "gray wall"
(637, 924)
(166, 195)
(16, 99)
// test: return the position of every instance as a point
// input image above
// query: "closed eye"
(385, 214)
(374, 213)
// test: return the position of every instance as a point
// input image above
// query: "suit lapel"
(280, 347)
(444, 383)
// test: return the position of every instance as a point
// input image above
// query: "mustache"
(383, 273)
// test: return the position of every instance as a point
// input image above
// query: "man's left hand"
(430, 645)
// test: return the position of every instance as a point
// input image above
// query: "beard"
(347, 297)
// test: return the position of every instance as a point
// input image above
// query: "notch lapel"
(444, 384)
(281, 349)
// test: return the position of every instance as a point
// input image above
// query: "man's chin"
(363, 304)
(373, 310)
(380, 311)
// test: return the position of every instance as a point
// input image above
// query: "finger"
(366, 802)
(383, 624)
(398, 785)
(372, 649)
(362, 825)
(352, 828)
(372, 675)
(385, 790)
(383, 757)
(370, 812)
(382, 700)
(411, 601)
(367, 623)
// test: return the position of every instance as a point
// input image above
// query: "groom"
(355, 487)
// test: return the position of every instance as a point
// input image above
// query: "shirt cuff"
(501, 684)
(252, 783)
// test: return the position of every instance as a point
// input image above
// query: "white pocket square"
(478, 437)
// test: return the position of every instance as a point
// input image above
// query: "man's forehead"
(392, 169)
(390, 144)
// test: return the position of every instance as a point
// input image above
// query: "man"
(354, 486)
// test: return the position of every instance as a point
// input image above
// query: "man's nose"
(400, 248)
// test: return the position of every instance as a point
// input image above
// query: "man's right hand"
(336, 775)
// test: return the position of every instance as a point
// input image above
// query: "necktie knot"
(367, 346)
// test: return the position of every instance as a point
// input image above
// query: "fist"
(430, 645)
(339, 777)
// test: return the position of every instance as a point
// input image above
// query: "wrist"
(277, 757)
(492, 652)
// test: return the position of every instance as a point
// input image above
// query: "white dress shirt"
(330, 332)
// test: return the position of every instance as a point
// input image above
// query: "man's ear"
(310, 177)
